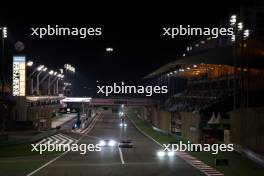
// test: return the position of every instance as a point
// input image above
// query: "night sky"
(134, 31)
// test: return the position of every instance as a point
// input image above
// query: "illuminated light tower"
(181, 70)
(240, 26)
(4, 31)
(233, 38)
(45, 69)
(109, 49)
(40, 67)
(30, 63)
(233, 20)
(69, 67)
(246, 34)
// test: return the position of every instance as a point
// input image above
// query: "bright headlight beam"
(102, 143)
(111, 143)
(161, 153)
(170, 153)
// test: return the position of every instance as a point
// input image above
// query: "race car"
(107, 142)
(123, 123)
(125, 143)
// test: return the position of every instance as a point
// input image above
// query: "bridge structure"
(89, 106)
(111, 101)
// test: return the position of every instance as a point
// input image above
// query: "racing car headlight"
(170, 153)
(102, 143)
(161, 153)
(111, 143)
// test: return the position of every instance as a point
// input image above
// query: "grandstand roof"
(252, 57)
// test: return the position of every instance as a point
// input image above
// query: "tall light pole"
(57, 85)
(30, 64)
(40, 69)
(69, 73)
(60, 77)
(233, 23)
(66, 84)
(50, 74)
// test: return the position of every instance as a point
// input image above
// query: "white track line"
(62, 139)
(69, 140)
(121, 155)
(51, 161)
(66, 136)
(186, 157)
(146, 134)
(49, 141)
(55, 140)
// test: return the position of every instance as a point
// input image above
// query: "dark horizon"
(136, 38)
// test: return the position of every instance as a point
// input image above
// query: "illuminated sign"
(19, 76)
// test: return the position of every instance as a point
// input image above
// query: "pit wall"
(247, 126)
(190, 126)
(162, 120)
(149, 114)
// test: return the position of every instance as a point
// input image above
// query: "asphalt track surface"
(114, 161)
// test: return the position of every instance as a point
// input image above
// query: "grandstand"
(223, 100)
